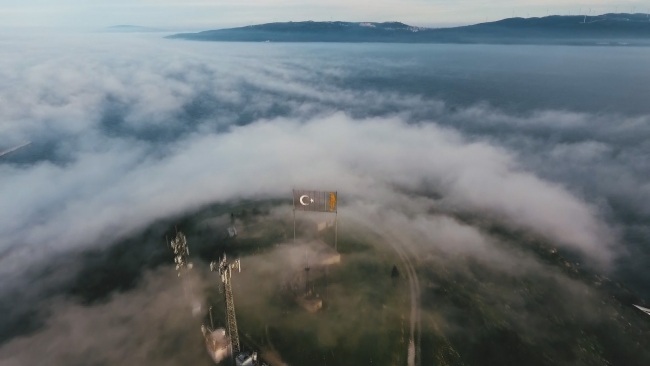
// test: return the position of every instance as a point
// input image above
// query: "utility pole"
(225, 271)
(306, 274)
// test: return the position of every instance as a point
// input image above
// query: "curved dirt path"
(414, 285)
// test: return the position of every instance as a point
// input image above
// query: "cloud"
(148, 133)
(150, 326)
(122, 189)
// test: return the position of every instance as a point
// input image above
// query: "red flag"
(319, 201)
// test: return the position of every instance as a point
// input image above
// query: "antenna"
(225, 271)
(181, 252)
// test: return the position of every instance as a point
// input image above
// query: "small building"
(324, 225)
(321, 254)
(217, 342)
(310, 303)
(245, 359)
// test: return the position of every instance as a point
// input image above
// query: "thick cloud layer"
(128, 130)
(127, 138)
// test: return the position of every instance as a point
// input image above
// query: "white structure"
(321, 254)
(647, 311)
(217, 343)
(244, 359)
(324, 225)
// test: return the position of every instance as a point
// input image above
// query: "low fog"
(128, 130)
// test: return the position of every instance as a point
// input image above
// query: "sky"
(202, 14)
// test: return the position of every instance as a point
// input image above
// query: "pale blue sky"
(201, 14)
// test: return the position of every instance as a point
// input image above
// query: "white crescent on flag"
(307, 199)
(319, 201)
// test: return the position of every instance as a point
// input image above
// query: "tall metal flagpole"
(336, 223)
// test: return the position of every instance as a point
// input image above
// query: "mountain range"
(616, 29)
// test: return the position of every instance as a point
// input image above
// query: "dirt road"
(414, 285)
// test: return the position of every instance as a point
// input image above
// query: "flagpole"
(336, 223)
(294, 216)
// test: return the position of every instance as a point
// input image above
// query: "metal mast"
(181, 252)
(307, 292)
(225, 271)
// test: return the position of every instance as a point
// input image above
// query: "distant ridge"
(615, 29)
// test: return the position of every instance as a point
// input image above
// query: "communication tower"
(181, 252)
(225, 271)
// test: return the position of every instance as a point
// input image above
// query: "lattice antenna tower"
(181, 252)
(225, 271)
